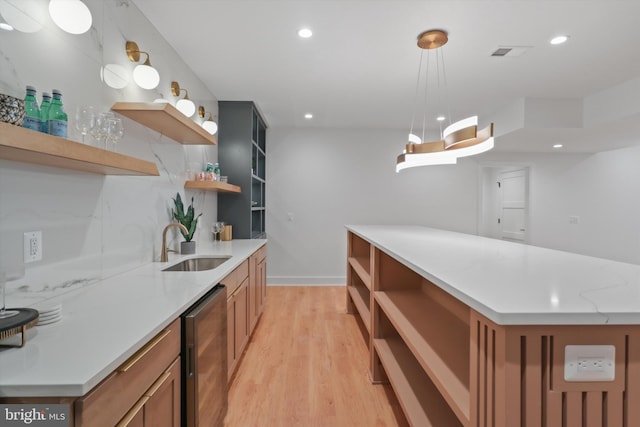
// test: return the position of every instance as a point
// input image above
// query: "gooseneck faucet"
(164, 256)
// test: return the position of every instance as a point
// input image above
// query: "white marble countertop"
(512, 283)
(107, 321)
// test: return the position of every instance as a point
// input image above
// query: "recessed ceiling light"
(305, 33)
(440, 118)
(557, 145)
(559, 39)
(308, 116)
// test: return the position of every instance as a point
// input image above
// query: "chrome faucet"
(164, 256)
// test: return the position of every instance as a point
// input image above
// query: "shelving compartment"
(432, 326)
(257, 223)
(420, 399)
(361, 297)
(359, 257)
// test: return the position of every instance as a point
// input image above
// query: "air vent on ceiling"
(510, 50)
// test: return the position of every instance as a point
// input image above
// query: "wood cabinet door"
(262, 284)
(231, 335)
(254, 292)
(163, 407)
(241, 318)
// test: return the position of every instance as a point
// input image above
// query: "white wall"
(329, 178)
(94, 225)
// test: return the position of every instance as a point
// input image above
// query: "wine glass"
(99, 131)
(217, 228)
(85, 119)
(115, 130)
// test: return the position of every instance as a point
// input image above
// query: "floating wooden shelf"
(221, 187)
(166, 119)
(28, 146)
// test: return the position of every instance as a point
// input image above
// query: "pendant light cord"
(426, 90)
(415, 97)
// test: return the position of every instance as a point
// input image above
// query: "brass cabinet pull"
(143, 400)
(142, 352)
(133, 412)
(152, 390)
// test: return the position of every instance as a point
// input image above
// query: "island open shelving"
(359, 280)
(467, 339)
(28, 146)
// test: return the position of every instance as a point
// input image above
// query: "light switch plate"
(589, 362)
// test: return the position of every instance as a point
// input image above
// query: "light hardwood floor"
(307, 365)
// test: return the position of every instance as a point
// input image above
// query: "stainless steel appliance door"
(205, 360)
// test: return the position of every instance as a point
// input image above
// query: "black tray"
(19, 323)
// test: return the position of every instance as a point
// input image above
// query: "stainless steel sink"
(198, 264)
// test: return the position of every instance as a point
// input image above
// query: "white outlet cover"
(589, 363)
(37, 253)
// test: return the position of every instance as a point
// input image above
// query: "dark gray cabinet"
(242, 157)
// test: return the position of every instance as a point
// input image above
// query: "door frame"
(488, 201)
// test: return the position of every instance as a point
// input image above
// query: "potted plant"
(189, 220)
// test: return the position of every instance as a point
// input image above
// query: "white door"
(512, 194)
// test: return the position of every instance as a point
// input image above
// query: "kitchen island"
(472, 331)
(106, 322)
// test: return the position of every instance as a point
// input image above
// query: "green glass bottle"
(216, 171)
(44, 111)
(57, 118)
(31, 110)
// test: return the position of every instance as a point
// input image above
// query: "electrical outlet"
(589, 363)
(574, 219)
(32, 246)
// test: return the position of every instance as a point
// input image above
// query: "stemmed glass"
(115, 130)
(216, 229)
(85, 120)
(99, 131)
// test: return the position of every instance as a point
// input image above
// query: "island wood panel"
(517, 374)
(166, 119)
(438, 340)
(420, 400)
(28, 146)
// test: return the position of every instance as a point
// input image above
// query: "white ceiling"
(360, 67)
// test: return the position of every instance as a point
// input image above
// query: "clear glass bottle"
(216, 171)
(57, 118)
(32, 119)
(44, 111)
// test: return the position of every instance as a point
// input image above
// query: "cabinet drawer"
(109, 401)
(233, 280)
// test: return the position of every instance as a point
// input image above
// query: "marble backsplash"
(94, 226)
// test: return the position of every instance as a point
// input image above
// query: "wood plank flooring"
(307, 365)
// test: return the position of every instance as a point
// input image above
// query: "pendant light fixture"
(144, 74)
(209, 125)
(459, 139)
(184, 105)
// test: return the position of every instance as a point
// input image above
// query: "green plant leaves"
(189, 220)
